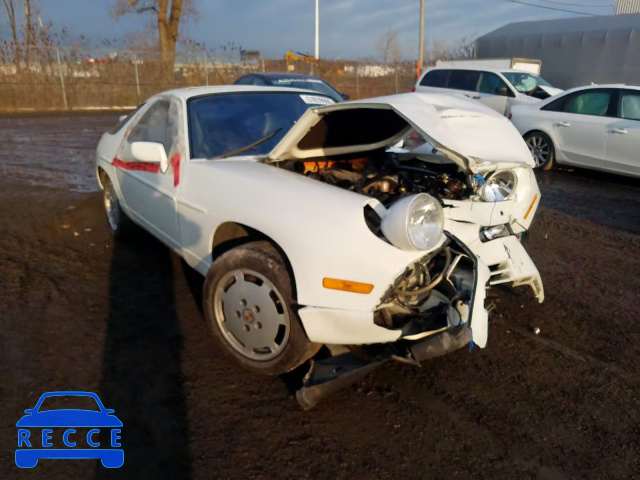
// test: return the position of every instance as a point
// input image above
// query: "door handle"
(618, 130)
(475, 97)
(563, 124)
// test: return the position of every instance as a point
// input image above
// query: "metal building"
(574, 51)
(627, 6)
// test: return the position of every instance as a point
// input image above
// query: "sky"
(348, 28)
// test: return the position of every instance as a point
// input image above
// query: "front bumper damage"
(503, 260)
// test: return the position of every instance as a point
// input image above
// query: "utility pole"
(317, 30)
(421, 46)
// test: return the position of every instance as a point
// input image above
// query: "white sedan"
(310, 230)
(595, 127)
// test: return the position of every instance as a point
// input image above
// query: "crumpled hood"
(467, 132)
(551, 90)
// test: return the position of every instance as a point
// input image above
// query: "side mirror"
(346, 96)
(504, 91)
(29, 411)
(150, 152)
(109, 411)
(122, 117)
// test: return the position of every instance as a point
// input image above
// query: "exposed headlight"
(497, 231)
(499, 186)
(414, 223)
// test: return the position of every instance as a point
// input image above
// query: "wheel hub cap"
(251, 314)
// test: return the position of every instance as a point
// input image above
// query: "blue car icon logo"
(69, 433)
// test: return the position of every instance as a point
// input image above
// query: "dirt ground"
(80, 312)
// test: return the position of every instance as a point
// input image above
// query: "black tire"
(118, 221)
(542, 149)
(269, 300)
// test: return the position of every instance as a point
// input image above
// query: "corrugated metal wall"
(627, 6)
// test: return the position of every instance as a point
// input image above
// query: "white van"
(496, 88)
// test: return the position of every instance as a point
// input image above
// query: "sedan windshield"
(525, 82)
(251, 123)
(314, 84)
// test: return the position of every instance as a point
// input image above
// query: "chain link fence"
(64, 78)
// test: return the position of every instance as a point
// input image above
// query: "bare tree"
(168, 14)
(388, 47)
(459, 49)
(11, 14)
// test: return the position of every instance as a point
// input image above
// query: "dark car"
(292, 80)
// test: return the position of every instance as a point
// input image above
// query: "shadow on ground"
(141, 377)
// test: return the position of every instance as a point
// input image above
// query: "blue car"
(32, 447)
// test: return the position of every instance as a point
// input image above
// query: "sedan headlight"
(414, 223)
(499, 186)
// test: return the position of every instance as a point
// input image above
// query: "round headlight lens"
(499, 186)
(414, 223)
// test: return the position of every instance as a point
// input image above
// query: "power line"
(553, 8)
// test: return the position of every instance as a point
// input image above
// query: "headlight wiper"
(248, 147)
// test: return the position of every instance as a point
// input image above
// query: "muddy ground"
(80, 312)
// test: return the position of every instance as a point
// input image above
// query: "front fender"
(320, 228)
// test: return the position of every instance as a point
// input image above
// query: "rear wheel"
(118, 221)
(542, 149)
(247, 300)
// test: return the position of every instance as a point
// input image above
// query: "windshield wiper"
(248, 147)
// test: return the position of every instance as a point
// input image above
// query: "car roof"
(603, 85)
(280, 75)
(190, 92)
(481, 69)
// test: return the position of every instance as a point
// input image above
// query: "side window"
(154, 126)
(126, 119)
(556, 105)
(464, 80)
(630, 105)
(490, 83)
(244, 81)
(591, 102)
(435, 78)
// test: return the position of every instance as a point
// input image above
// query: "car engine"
(385, 177)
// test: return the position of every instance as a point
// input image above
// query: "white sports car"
(312, 226)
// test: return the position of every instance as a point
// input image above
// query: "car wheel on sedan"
(542, 149)
(118, 221)
(248, 304)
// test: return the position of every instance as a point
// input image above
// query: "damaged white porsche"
(377, 222)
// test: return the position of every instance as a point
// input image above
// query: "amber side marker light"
(346, 285)
(531, 206)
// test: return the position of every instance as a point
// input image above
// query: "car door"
(494, 92)
(150, 194)
(466, 82)
(623, 144)
(581, 125)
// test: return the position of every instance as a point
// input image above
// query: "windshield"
(66, 402)
(219, 124)
(525, 82)
(314, 84)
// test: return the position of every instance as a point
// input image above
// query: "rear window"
(464, 80)
(630, 105)
(435, 78)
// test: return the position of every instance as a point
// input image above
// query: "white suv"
(495, 88)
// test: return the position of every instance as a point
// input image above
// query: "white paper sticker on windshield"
(316, 100)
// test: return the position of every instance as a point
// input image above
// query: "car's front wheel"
(248, 304)
(541, 148)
